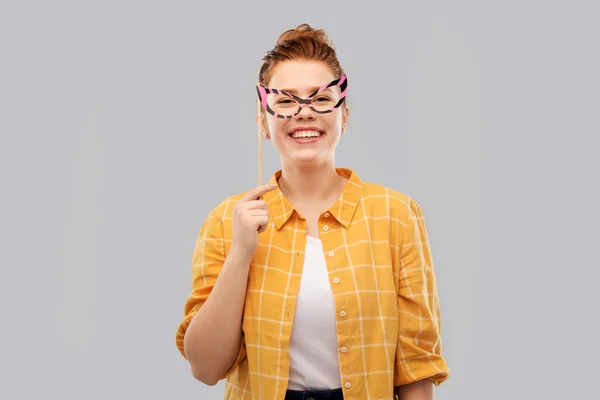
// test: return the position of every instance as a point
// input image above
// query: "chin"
(307, 159)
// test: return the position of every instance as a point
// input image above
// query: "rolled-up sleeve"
(207, 261)
(419, 349)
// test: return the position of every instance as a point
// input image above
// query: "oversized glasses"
(284, 104)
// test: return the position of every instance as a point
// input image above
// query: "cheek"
(278, 129)
(277, 125)
(334, 121)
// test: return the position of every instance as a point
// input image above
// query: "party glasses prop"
(282, 103)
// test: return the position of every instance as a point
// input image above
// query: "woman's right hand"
(250, 217)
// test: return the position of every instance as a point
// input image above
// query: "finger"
(258, 213)
(263, 227)
(257, 192)
(262, 222)
(255, 205)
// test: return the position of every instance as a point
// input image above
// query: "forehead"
(302, 76)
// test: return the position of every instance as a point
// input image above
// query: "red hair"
(301, 43)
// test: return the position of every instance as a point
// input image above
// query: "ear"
(261, 122)
(345, 116)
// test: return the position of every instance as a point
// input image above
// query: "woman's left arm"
(420, 390)
(419, 359)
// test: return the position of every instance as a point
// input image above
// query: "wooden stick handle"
(259, 150)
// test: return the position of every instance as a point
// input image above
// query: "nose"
(305, 112)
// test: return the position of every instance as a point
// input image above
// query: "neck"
(309, 183)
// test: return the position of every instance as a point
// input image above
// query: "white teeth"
(305, 134)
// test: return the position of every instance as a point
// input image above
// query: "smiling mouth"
(308, 134)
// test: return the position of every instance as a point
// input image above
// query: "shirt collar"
(342, 210)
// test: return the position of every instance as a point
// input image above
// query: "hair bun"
(304, 30)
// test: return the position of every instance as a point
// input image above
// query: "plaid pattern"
(382, 276)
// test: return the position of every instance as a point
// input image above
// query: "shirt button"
(326, 227)
(343, 349)
(326, 215)
(331, 254)
(343, 313)
(336, 280)
(347, 385)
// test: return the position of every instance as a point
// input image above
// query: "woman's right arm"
(213, 338)
(210, 336)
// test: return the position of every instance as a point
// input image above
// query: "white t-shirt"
(314, 360)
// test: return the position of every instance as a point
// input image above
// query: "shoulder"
(396, 202)
(399, 208)
(224, 208)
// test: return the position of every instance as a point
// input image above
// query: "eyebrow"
(310, 90)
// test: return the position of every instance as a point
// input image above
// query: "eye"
(322, 98)
(284, 101)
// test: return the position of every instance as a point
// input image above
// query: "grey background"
(123, 123)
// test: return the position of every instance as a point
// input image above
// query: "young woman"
(316, 285)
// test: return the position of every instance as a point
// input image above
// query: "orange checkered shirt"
(383, 281)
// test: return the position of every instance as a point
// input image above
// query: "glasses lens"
(326, 99)
(282, 104)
